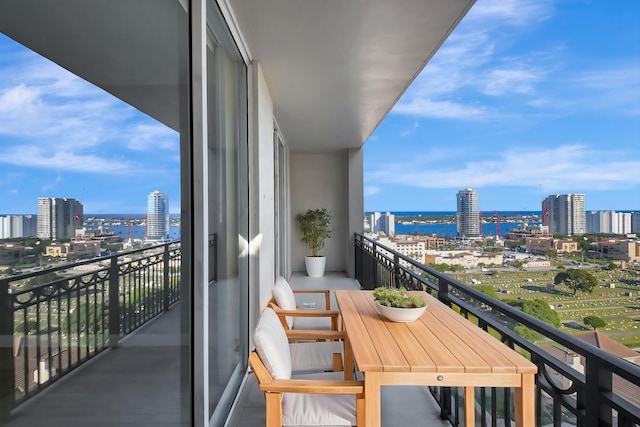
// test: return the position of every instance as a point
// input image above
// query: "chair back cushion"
(272, 345)
(283, 294)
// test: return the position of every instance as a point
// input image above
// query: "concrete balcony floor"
(138, 384)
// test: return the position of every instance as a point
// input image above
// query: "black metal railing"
(54, 320)
(577, 384)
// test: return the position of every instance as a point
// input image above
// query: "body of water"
(449, 230)
(138, 231)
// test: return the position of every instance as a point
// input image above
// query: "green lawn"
(619, 306)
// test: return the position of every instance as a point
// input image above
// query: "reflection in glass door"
(282, 204)
(228, 219)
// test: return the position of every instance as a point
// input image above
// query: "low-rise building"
(620, 249)
(412, 246)
(546, 244)
(11, 254)
(78, 249)
(528, 231)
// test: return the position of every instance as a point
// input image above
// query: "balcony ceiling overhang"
(334, 68)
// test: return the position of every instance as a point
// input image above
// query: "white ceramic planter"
(402, 315)
(315, 265)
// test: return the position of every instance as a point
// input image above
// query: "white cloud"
(153, 136)
(562, 168)
(35, 156)
(74, 125)
(510, 12)
(471, 61)
(410, 131)
(439, 109)
(517, 80)
(371, 190)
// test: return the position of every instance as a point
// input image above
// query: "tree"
(537, 308)
(595, 322)
(576, 280)
(489, 290)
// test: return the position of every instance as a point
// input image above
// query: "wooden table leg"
(469, 407)
(348, 359)
(525, 402)
(372, 407)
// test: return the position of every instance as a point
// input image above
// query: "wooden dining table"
(441, 348)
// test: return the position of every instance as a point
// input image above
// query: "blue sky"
(63, 137)
(525, 99)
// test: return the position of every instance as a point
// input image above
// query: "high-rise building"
(565, 214)
(157, 216)
(18, 226)
(383, 223)
(58, 218)
(609, 222)
(468, 213)
(635, 222)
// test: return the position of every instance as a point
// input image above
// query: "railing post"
(598, 381)
(374, 248)
(443, 291)
(7, 362)
(166, 288)
(396, 271)
(114, 303)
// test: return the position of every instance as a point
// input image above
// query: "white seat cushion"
(314, 356)
(286, 300)
(319, 409)
(272, 345)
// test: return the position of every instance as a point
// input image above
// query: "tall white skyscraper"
(157, 216)
(565, 214)
(385, 223)
(58, 218)
(609, 222)
(18, 226)
(468, 213)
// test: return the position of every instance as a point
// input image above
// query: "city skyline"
(525, 99)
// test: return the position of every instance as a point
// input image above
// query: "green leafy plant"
(392, 297)
(315, 225)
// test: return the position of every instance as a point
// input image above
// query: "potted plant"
(397, 305)
(315, 226)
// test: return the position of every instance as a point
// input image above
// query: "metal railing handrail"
(587, 392)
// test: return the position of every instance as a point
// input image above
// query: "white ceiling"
(334, 67)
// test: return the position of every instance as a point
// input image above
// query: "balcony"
(132, 377)
(85, 329)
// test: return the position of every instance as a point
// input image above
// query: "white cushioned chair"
(315, 354)
(284, 304)
(300, 400)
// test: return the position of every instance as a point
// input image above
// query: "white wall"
(264, 180)
(320, 181)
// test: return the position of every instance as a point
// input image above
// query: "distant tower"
(157, 216)
(566, 214)
(468, 213)
(385, 223)
(58, 218)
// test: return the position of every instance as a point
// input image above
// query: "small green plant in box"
(399, 298)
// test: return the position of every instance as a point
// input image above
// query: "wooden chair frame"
(327, 312)
(273, 390)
